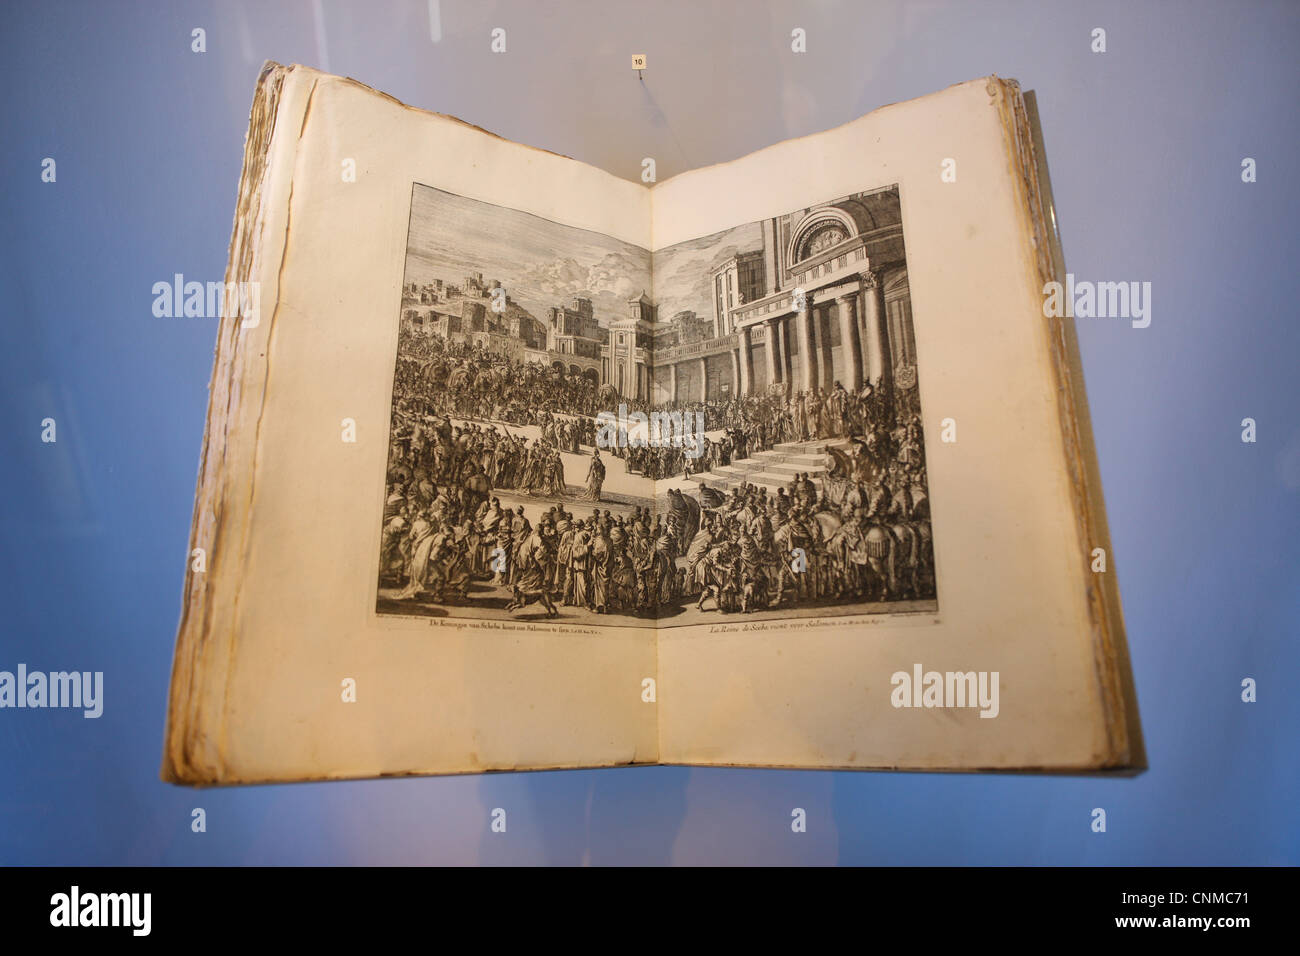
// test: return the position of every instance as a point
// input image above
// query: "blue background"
(1145, 143)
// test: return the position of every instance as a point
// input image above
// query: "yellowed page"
(1011, 568)
(288, 602)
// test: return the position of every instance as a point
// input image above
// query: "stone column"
(826, 366)
(735, 371)
(773, 360)
(846, 306)
(672, 382)
(784, 353)
(745, 359)
(879, 365)
(704, 379)
(803, 320)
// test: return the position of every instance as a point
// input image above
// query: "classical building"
(628, 354)
(617, 353)
(825, 300)
(684, 328)
(575, 341)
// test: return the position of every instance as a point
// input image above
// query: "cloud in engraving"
(613, 275)
(684, 276)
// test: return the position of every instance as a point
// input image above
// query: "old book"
(514, 464)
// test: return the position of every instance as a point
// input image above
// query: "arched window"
(821, 230)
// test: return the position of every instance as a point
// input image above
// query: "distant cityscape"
(825, 300)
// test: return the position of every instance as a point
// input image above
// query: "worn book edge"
(1127, 751)
(203, 651)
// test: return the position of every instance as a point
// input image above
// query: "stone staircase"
(775, 468)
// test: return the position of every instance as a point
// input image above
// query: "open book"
(513, 464)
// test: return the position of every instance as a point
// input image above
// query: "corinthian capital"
(870, 279)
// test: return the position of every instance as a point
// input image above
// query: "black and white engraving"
(747, 444)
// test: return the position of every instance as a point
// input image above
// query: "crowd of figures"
(756, 422)
(436, 377)
(432, 459)
(755, 550)
(859, 533)
(467, 381)
(604, 563)
(745, 551)
(759, 423)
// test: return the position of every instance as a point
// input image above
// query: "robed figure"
(595, 477)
